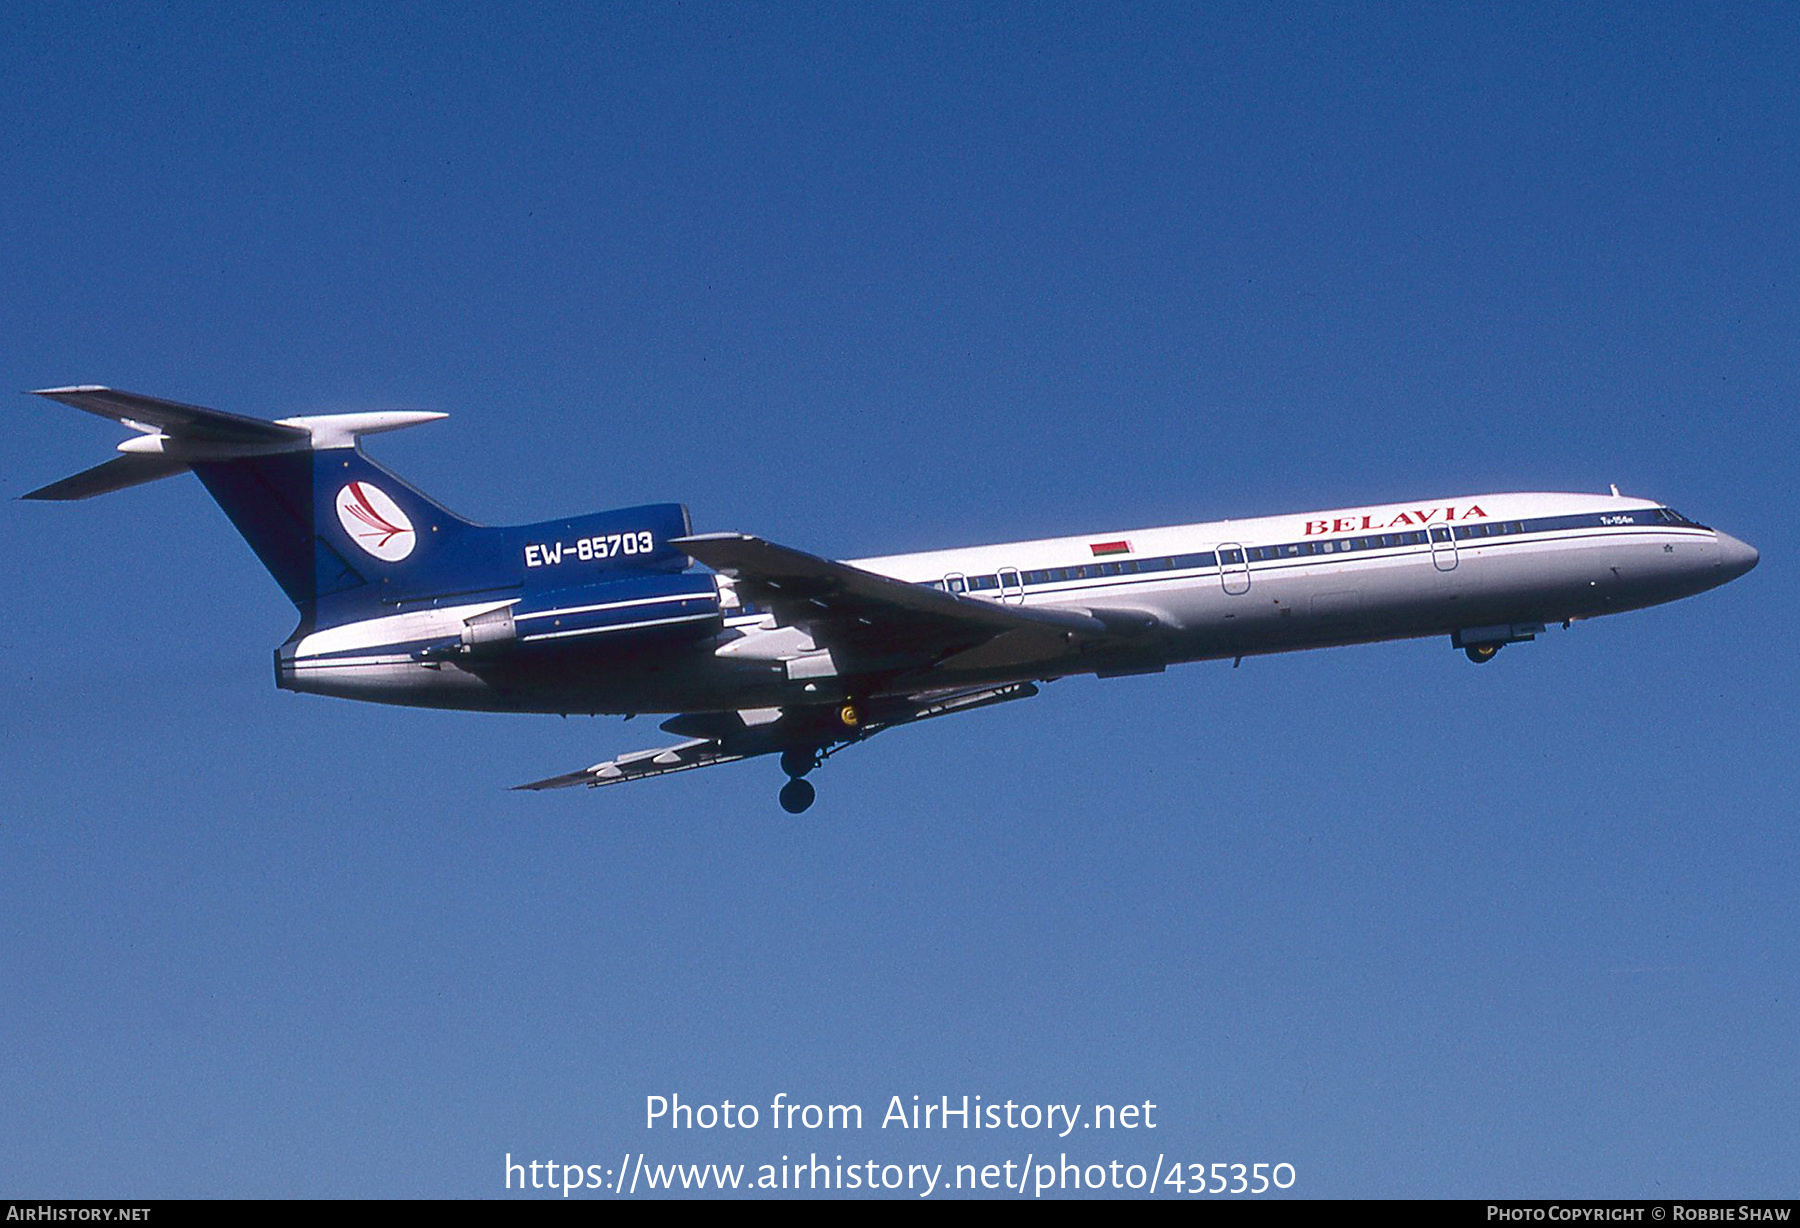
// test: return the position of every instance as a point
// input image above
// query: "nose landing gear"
(1479, 644)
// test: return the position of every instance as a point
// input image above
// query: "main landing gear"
(797, 794)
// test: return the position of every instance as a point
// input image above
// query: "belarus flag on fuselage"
(1100, 548)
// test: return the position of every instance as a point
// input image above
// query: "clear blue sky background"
(869, 279)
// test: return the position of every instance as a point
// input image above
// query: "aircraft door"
(1443, 547)
(956, 583)
(1012, 586)
(1234, 569)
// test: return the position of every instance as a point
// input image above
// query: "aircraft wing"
(658, 761)
(726, 737)
(845, 607)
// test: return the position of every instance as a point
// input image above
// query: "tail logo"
(375, 522)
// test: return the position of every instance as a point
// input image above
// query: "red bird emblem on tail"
(375, 522)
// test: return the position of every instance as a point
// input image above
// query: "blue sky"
(867, 280)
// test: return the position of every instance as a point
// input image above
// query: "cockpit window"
(1669, 515)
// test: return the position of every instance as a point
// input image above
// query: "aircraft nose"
(1735, 557)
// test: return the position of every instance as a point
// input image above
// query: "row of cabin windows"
(1495, 528)
(1290, 550)
(1176, 562)
(1294, 550)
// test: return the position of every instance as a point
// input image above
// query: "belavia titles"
(761, 649)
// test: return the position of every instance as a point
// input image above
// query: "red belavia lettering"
(761, 649)
(1362, 522)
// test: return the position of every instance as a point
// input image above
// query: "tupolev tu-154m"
(763, 649)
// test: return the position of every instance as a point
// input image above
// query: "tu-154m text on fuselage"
(770, 650)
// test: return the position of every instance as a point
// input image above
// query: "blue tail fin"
(333, 526)
(345, 538)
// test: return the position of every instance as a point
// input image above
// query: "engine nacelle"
(488, 632)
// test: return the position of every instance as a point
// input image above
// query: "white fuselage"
(1485, 569)
(1374, 562)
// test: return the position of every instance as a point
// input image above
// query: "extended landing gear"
(797, 763)
(796, 795)
(845, 727)
(1480, 644)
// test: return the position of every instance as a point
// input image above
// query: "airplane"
(763, 649)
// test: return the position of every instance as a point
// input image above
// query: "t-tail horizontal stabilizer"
(109, 476)
(171, 437)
